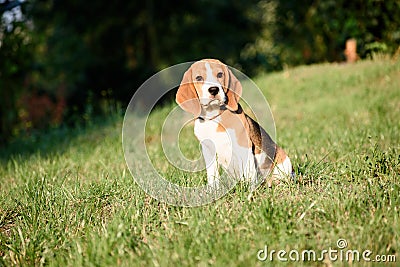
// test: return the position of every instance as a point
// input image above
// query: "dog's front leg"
(210, 158)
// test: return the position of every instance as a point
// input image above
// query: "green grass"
(67, 198)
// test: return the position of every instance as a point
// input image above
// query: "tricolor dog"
(228, 137)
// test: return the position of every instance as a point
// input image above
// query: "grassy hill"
(67, 198)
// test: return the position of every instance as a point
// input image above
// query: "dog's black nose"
(213, 90)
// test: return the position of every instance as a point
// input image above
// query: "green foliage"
(15, 62)
(119, 45)
(316, 31)
(68, 198)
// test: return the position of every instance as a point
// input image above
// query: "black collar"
(202, 118)
(222, 109)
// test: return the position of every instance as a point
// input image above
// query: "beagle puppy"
(228, 137)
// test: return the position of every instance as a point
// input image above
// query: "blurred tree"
(83, 51)
(314, 31)
(118, 45)
(262, 54)
(15, 62)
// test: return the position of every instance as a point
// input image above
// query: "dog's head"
(208, 83)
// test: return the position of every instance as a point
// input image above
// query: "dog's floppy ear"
(186, 96)
(234, 91)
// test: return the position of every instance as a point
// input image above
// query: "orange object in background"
(351, 50)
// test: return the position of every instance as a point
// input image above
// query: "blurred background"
(66, 62)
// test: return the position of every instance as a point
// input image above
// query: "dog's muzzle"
(213, 102)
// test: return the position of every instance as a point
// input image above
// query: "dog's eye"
(199, 78)
(220, 74)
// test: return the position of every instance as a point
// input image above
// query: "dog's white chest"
(223, 146)
(219, 143)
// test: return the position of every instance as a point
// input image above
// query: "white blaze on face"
(210, 81)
